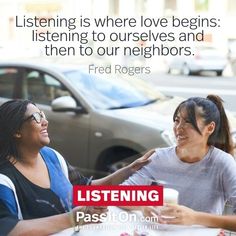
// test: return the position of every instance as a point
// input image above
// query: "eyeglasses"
(37, 116)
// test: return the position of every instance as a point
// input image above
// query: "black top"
(32, 201)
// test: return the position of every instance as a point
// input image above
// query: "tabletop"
(123, 223)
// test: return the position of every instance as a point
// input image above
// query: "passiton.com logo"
(121, 217)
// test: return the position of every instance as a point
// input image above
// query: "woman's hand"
(140, 162)
(177, 214)
(150, 212)
(88, 214)
(122, 174)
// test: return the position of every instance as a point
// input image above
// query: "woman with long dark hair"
(35, 187)
(200, 167)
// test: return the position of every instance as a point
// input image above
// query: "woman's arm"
(120, 175)
(186, 216)
(54, 224)
(42, 226)
(216, 221)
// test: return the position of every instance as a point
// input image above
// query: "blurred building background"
(11, 37)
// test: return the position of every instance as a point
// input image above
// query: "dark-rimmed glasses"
(37, 116)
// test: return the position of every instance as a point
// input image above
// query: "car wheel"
(185, 70)
(219, 72)
(116, 158)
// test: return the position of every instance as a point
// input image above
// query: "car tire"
(219, 72)
(120, 159)
(114, 159)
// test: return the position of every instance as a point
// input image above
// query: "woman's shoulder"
(162, 154)
(50, 152)
(165, 151)
(222, 157)
(221, 153)
(7, 169)
(51, 156)
(7, 179)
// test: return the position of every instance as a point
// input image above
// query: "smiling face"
(187, 136)
(33, 131)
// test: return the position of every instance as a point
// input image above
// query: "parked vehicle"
(205, 58)
(96, 123)
(232, 55)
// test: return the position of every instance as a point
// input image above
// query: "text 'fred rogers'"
(117, 195)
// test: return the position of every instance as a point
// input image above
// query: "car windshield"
(112, 93)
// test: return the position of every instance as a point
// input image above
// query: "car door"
(11, 80)
(68, 131)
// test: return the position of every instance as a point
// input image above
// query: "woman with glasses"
(200, 166)
(35, 191)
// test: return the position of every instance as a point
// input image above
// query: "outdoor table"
(123, 225)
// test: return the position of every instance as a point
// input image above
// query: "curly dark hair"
(12, 114)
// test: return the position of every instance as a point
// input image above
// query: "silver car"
(96, 123)
(205, 58)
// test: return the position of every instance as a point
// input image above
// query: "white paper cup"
(170, 195)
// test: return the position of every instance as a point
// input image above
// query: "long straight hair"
(212, 110)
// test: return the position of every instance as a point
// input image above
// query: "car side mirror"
(66, 103)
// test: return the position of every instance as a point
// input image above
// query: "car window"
(10, 82)
(111, 93)
(43, 88)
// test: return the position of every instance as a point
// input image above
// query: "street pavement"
(187, 86)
